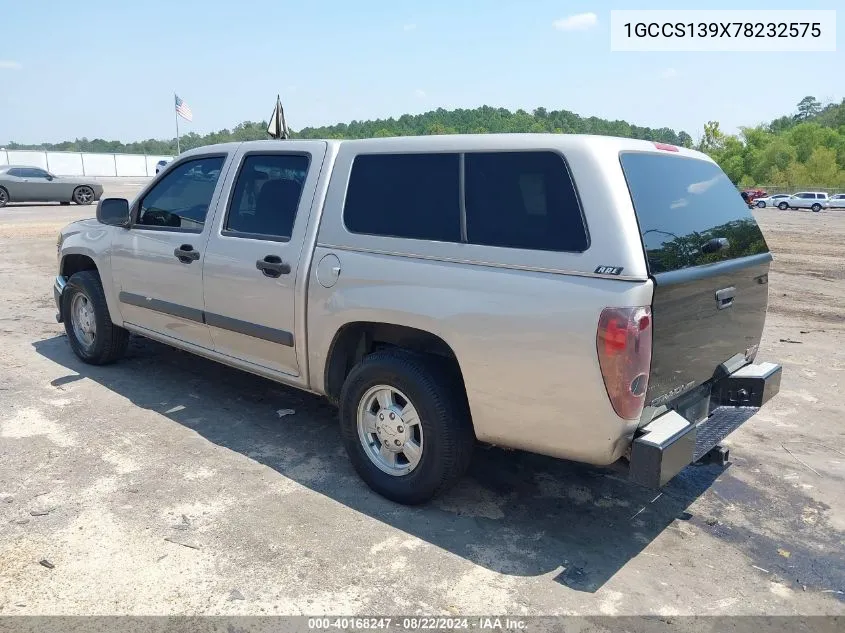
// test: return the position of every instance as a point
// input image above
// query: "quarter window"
(266, 196)
(414, 196)
(182, 197)
(511, 199)
(522, 200)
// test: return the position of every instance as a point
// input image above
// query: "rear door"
(710, 266)
(254, 257)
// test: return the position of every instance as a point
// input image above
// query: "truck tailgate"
(709, 263)
(705, 318)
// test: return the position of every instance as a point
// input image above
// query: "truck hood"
(79, 226)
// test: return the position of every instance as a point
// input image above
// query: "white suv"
(815, 200)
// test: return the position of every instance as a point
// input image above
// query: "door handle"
(272, 266)
(725, 297)
(186, 254)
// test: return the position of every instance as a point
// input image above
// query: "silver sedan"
(19, 183)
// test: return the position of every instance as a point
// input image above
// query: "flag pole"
(176, 114)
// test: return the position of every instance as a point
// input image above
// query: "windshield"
(689, 212)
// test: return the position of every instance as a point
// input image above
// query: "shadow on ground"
(515, 513)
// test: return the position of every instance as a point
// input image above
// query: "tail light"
(624, 348)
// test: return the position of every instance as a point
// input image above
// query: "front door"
(252, 262)
(40, 185)
(157, 264)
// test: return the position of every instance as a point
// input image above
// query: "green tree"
(713, 138)
(821, 169)
(808, 107)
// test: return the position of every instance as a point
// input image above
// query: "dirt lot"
(167, 484)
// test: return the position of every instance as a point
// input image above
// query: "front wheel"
(90, 331)
(761, 205)
(83, 195)
(4, 197)
(405, 424)
(783, 206)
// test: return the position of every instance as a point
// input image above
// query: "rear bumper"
(58, 288)
(671, 442)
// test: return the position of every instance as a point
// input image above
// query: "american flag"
(183, 110)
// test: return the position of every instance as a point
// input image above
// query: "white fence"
(84, 164)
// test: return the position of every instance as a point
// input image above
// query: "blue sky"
(100, 68)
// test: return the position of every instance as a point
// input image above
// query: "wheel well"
(355, 340)
(74, 263)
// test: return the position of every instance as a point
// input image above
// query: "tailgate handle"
(725, 297)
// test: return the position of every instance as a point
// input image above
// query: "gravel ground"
(168, 484)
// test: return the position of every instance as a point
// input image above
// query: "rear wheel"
(90, 331)
(83, 195)
(405, 425)
(816, 207)
(783, 206)
(4, 197)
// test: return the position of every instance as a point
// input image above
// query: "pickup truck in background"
(590, 298)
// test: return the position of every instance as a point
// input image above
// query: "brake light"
(623, 342)
(666, 147)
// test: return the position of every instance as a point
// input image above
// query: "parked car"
(815, 200)
(754, 194)
(20, 183)
(837, 201)
(164, 162)
(446, 289)
(771, 201)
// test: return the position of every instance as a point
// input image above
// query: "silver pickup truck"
(591, 298)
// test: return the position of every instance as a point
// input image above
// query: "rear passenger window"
(414, 196)
(522, 200)
(266, 196)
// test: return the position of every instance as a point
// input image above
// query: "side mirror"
(114, 212)
(49, 177)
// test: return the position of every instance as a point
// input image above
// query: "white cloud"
(409, 27)
(669, 73)
(577, 22)
(419, 92)
(7, 64)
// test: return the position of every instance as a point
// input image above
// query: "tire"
(783, 206)
(446, 440)
(109, 341)
(83, 195)
(4, 197)
(816, 207)
(761, 205)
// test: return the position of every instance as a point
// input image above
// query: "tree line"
(801, 149)
(806, 149)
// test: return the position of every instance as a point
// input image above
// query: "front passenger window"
(181, 198)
